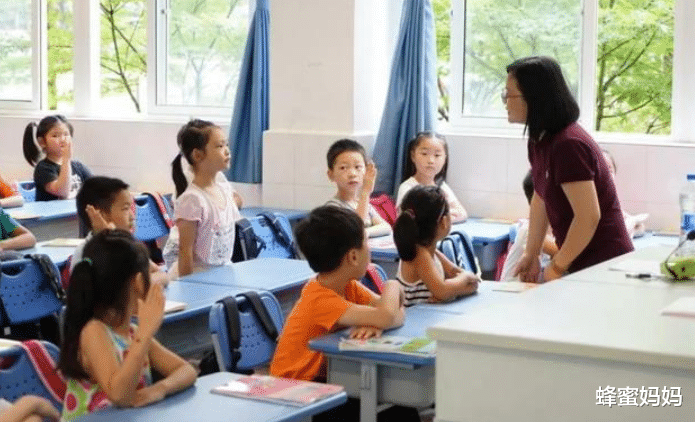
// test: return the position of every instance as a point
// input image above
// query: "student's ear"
(329, 173)
(352, 257)
(41, 141)
(197, 155)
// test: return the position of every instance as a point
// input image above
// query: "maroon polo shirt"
(572, 156)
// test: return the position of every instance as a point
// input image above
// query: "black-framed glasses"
(505, 95)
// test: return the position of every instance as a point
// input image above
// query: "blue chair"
(458, 247)
(21, 378)
(149, 222)
(27, 292)
(28, 190)
(255, 344)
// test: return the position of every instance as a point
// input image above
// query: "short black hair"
(99, 192)
(527, 184)
(327, 234)
(342, 146)
(550, 104)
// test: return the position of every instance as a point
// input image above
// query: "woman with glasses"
(574, 192)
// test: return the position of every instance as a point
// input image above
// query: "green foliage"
(60, 50)
(442, 18)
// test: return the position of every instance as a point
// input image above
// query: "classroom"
(328, 78)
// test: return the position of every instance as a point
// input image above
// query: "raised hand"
(96, 217)
(369, 178)
(151, 310)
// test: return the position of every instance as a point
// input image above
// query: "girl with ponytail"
(105, 357)
(57, 175)
(426, 274)
(205, 209)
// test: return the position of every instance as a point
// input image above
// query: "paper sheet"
(684, 307)
(512, 286)
(637, 266)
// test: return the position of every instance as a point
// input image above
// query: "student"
(106, 203)
(426, 162)
(205, 209)
(425, 273)
(333, 241)
(634, 223)
(13, 235)
(354, 177)
(9, 195)
(549, 247)
(28, 409)
(106, 359)
(58, 175)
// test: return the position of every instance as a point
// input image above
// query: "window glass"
(16, 50)
(60, 52)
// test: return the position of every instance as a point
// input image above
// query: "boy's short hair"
(340, 147)
(99, 192)
(327, 234)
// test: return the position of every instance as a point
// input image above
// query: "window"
(60, 52)
(200, 54)
(19, 52)
(620, 70)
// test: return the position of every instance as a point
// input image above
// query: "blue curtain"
(411, 103)
(250, 115)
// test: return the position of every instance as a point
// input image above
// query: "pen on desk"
(642, 276)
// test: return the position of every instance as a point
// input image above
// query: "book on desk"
(278, 390)
(413, 346)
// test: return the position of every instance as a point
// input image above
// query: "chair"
(149, 222)
(28, 190)
(256, 344)
(26, 291)
(374, 278)
(20, 377)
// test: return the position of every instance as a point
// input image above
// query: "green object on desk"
(681, 269)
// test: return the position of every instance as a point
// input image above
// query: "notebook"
(277, 390)
(413, 346)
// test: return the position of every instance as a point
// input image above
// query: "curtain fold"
(250, 115)
(411, 102)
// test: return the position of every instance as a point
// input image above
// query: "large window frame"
(683, 91)
(87, 66)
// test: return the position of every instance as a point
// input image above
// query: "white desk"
(544, 356)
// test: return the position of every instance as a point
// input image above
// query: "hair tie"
(87, 260)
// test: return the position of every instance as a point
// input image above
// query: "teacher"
(573, 188)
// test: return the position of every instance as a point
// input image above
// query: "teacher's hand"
(528, 268)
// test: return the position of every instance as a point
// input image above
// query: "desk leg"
(368, 392)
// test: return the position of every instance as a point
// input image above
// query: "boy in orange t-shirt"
(333, 241)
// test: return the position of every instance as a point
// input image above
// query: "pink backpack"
(385, 206)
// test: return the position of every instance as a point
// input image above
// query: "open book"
(414, 346)
(277, 390)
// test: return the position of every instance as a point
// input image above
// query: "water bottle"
(687, 203)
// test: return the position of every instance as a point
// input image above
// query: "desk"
(199, 404)
(384, 377)
(651, 239)
(486, 296)
(48, 219)
(283, 277)
(562, 341)
(58, 254)
(292, 215)
(186, 332)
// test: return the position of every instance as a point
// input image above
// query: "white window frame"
(683, 91)
(157, 66)
(38, 61)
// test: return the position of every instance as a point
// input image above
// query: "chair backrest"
(374, 278)
(267, 235)
(20, 377)
(149, 221)
(385, 206)
(255, 344)
(28, 190)
(457, 246)
(27, 291)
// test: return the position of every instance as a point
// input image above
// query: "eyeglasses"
(506, 95)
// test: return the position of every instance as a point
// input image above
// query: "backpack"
(265, 235)
(374, 278)
(457, 246)
(244, 332)
(384, 205)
